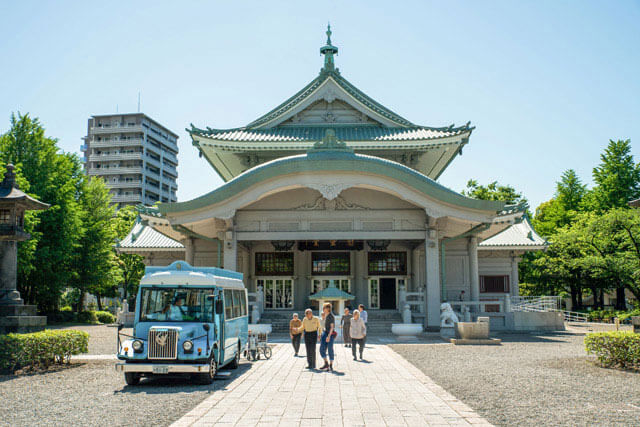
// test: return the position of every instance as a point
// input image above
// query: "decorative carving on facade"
(329, 191)
(335, 204)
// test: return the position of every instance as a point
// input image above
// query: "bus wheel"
(236, 360)
(208, 377)
(131, 378)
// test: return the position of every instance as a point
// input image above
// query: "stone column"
(515, 280)
(230, 260)
(415, 270)
(189, 250)
(474, 278)
(9, 294)
(432, 264)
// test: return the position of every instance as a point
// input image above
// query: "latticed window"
(498, 284)
(274, 264)
(387, 263)
(331, 263)
(5, 216)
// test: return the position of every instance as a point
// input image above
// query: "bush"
(40, 349)
(615, 349)
(62, 316)
(87, 317)
(105, 317)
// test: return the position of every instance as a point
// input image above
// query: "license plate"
(160, 369)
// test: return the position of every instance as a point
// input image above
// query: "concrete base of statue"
(406, 331)
(447, 332)
(20, 319)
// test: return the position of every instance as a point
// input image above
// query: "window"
(494, 284)
(331, 263)
(382, 263)
(228, 304)
(274, 264)
(5, 216)
(278, 293)
(175, 305)
(237, 305)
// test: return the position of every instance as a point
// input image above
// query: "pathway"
(385, 390)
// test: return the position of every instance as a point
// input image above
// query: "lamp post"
(14, 315)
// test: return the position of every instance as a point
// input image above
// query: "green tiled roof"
(143, 236)
(343, 83)
(331, 293)
(520, 235)
(344, 133)
(332, 161)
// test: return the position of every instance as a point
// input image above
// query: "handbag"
(334, 334)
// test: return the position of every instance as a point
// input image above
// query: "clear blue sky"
(547, 83)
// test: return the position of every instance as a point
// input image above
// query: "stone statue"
(447, 316)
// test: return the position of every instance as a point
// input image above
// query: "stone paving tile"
(386, 390)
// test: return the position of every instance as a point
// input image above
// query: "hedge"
(615, 349)
(105, 317)
(40, 349)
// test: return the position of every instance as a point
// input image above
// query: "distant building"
(135, 155)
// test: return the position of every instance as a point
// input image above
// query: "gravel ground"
(532, 380)
(91, 394)
(102, 338)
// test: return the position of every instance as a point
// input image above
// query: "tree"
(617, 177)
(45, 262)
(493, 191)
(96, 269)
(130, 265)
(563, 209)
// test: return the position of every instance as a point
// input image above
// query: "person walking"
(364, 317)
(345, 325)
(328, 336)
(294, 333)
(311, 328)
(358, 332)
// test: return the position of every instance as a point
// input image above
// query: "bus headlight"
(187, 346)
(137, 346)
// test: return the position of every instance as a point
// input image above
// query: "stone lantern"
(14, 315)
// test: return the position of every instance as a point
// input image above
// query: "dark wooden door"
(388, 294)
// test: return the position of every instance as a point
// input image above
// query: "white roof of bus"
(172, 278)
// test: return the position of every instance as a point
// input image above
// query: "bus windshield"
(176, 305)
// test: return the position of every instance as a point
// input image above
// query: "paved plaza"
(383, 390)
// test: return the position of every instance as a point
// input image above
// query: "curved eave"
(512, 248)
(332, 161)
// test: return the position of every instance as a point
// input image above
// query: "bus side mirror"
(206, 327)
(120, 326)
(219, 308)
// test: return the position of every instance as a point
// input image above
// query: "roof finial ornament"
(328, 51)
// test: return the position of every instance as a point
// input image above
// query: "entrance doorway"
(388, 293)
(383, 292)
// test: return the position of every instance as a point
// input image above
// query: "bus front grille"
(163, 343)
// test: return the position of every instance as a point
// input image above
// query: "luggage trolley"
(256, 344)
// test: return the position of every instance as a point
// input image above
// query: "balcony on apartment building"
(114, 156)
(134, 142)
(116, 170)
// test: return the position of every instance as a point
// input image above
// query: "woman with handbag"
(328, 336)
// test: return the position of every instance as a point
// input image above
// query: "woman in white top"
(358, 331)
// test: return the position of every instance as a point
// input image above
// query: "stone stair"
(379, 321)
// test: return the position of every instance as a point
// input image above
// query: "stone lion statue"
(447, 316)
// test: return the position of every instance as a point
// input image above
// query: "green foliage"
(617, 177)
(44, 264)
(40, 349)
(105, 317)
(87, 317)
(130, 265)
(493, 191)
(609, 315)
(615, 349)
(96, 269)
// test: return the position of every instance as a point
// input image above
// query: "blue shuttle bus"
(189, 320)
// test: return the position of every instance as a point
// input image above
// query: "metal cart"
(258, 344)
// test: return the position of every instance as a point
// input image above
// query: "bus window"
(237, 305)
(243, 301)
(228, 304)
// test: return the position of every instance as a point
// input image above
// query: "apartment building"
(136, 156)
